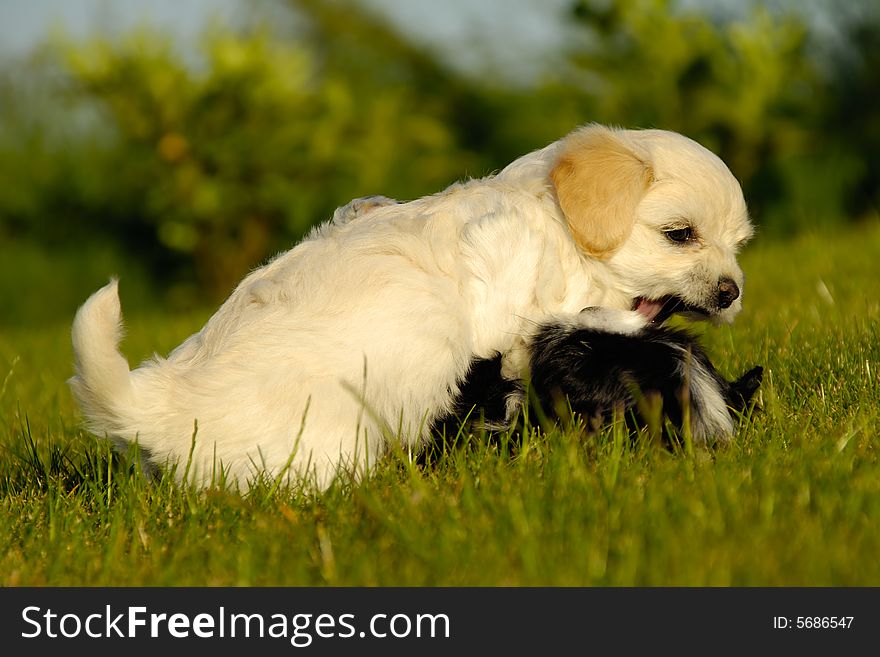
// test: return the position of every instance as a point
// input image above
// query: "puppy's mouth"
(659, 310)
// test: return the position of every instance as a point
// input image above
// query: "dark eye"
(679, 235)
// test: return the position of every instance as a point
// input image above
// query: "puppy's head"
(661, 213)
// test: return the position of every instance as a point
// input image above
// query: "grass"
(794, 501)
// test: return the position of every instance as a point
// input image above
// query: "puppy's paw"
(611, 320)
(359, 207)
(747, 385)
(263, 292)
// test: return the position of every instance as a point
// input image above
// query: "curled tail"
(102, 384)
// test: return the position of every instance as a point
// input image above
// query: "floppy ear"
(599, 182)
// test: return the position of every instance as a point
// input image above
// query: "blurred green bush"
(759, 91)
(207, 166)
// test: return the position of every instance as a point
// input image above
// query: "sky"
(481, 35)
(25, 23)
(464, 31)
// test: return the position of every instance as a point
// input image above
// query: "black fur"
(596, 374)
(482, 398)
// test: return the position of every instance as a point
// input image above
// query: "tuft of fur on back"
(102, 384)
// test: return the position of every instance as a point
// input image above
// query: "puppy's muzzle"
(728, 292)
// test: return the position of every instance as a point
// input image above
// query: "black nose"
(728, 292)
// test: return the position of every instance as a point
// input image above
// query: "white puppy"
(361, 334)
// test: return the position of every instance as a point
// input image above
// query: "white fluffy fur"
(360, 334)
(711, 417)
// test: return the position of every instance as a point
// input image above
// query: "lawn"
(795, 500)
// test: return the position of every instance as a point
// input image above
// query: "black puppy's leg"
(485, 398)
(742, 390)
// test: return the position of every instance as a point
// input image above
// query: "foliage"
(199, 165)
(742, 88)
(851, 110)
(254, 142)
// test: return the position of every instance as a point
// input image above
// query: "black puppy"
(605, 363)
